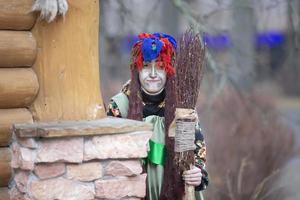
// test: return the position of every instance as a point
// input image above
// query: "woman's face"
(152, 77)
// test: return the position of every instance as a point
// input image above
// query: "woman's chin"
(153, 91)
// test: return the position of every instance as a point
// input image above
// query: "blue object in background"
(219, 41)
(270, 39)
(222, 41)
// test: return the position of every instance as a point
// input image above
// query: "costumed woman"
(149, 96)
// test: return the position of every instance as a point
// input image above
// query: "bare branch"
(183, 8)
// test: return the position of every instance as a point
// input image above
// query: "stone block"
(21, 179)
(61, 188)
(131, 145)
(121, 187)
(27, 142)
(85, 171)
(60, 150)
(104, 126)
(15, 194)
(123, 168)
(22, 158)
(49, 170)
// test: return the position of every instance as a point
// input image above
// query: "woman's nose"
(153, 73)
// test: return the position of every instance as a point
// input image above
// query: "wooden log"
(18, 87)
(67, 65)
(4, 195)
(16, 15)
(9, 117)
(17, 48)
(5, 168)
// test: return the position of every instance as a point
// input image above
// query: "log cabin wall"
(18, 82)
(48, 72)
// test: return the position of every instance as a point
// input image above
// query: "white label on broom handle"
(185, 113)
(181, 113)
(185, 131)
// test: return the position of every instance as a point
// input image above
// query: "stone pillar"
(99, 159)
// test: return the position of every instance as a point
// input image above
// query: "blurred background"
(249, 102)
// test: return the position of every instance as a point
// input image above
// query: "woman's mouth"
(153, 80)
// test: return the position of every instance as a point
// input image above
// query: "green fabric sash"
(157, 153)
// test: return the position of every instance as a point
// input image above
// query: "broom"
(190, 62)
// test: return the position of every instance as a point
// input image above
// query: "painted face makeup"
(152, 78)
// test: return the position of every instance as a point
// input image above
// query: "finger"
(192, 175)
(193, 171)
(193, 183)
(190, 172)
(193, 179)
(199, 175)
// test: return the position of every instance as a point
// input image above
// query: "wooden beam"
(16, 15)
(9, 117)
(5, 168)
(67, 65)
(18, 87)
(17, 48)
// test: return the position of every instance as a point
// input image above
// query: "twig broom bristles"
(190, 62)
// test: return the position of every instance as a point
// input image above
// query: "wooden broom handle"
(189, 191)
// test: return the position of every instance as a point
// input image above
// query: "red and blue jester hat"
(159, 46)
